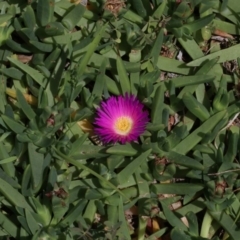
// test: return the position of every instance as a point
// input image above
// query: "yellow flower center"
(123, 125)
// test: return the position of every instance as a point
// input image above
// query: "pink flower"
(120, 119)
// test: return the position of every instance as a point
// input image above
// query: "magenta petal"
(114, 108)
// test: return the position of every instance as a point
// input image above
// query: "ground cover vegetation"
(119, 119)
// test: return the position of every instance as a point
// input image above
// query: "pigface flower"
(120, 119)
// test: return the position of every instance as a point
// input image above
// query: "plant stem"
(142, 227)
(206, 224)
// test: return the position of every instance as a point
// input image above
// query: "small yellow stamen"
(123, 125)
